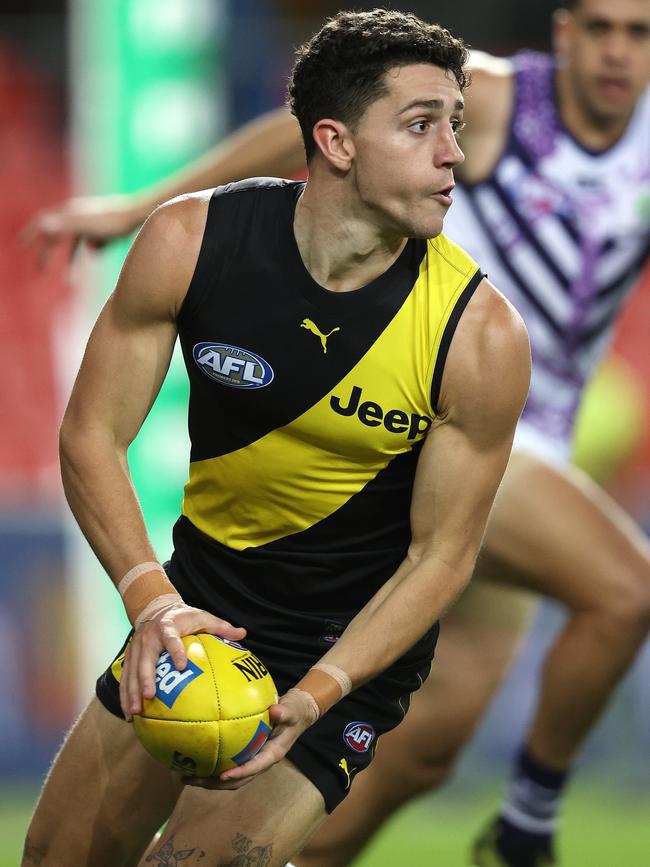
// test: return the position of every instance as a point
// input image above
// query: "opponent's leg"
(260, 825)
(478, 639)
(567, 539)
(571, 542)
(103, 799)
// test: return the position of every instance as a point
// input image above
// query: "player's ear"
(335, 143)
(562, 25)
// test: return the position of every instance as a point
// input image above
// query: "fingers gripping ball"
(211, 716)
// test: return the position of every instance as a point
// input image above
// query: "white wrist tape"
(146, 589)
(339, 675)
(313, 704)
(137, 572)
(157, 606)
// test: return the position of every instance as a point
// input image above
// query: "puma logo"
(343, 765)
(311, 326)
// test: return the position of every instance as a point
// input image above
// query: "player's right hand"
(95, 220)
(164, 632)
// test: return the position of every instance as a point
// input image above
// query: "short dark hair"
(340, 71)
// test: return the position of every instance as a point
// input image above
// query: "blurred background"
(99, 97)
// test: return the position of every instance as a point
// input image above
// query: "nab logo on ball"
(170, 682)
(358, 736)
(233, 366)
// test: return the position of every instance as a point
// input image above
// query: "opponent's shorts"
(553, 450)
(342, 743)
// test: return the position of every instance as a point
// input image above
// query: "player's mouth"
(444, 196)
(614, 88)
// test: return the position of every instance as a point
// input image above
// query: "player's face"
(406, 150)
(604, 46)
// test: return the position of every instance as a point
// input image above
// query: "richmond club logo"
(358, 736)
(232, 365)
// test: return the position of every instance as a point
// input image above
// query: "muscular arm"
(123, 368)
(485, 385)
(269, 145)
(125, 362)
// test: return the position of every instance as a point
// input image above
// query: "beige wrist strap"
(146, 589)
(327, 684)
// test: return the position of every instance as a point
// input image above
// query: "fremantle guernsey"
(563, 232)
(307, 409)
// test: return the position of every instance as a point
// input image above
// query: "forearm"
(104, 502)
(269, 145)
(397, 616)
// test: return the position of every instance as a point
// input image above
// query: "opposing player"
(355, 385)
(554, 202)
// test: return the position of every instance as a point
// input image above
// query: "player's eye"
(597, 27)
(420, 126)
(640, 32)
(457, 126)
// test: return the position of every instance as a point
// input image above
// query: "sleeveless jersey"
(307, 407)
(563, 232)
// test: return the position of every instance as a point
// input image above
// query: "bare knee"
(398, 777)
(623, 611)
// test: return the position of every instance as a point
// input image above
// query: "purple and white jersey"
(563, 232)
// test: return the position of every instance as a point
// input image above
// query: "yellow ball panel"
(191, 748)
(243, 683)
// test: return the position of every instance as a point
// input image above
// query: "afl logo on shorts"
(231, 365)
(358, 736)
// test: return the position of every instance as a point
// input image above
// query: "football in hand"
(211, 716)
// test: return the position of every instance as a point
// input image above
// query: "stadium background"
(107, 97)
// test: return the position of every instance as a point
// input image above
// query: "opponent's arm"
(488, 108)
(123, 368)
(268, 145)
(484, 388)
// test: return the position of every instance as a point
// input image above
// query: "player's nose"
(449, 153)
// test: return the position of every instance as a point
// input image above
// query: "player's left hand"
(291, 716)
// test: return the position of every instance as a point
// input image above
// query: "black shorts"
(344, 740)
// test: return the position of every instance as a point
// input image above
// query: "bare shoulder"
(160, 264)
(487, 372)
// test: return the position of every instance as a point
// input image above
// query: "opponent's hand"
(96, 220)
(164, 632)
(291, 716)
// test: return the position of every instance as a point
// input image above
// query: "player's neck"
(341, 247)
(591, 130)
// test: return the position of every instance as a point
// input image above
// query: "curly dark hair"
(340, 71)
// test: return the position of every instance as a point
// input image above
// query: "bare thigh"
(103, 800)
(558, 533)
(260, 825)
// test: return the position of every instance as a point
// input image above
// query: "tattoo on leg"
(168, 856)
(249, 855)
(32, 854)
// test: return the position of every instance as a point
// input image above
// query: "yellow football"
(211, 716)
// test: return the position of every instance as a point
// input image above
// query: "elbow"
(71, 440)
(66, 441)
(82, 446)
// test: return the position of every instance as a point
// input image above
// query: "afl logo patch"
(358, 736)
(233, 366)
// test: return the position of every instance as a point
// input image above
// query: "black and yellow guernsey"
(307, 409)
